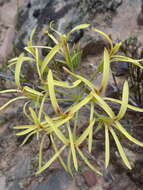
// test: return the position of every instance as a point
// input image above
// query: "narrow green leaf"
(18, 69)
(24, 127)
(107, 147)
(52, 93)
(124, 132)
(27, 137)
(15, 59)
(76, 107)
(24, 132)
(66, 85)
(129, 60)
(120, 149)
(51, 36)
(87, 162)
(41, 150)
(90, 137)
(104, 105)
(50, 56)
(34, 116)
(51, 27)
(120, 102)
(85, 133)
(25, 112)
(87, 82)
(106, 71)
(37, 62)
(124, 105)
(105, 35)
(115, 48)
(72, 147)
(69, 162)
(56, 150)
(27, 89)
(41, 107)
(56, 130)
(51, 160)
(79, 27)
(11, 101)
(9, 91)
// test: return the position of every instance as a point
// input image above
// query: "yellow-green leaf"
(87, 82)
(72, 147)
(25, 111)
(107, 147)
(120, 149)
(27, 137)
(115, 48)
(76, 107)
(56, 130)
(79, 27)
(51, 36)
(84, 134)
(41, 107)
(24, 127)
(69, 162)
(124, 105)
(24, 132)
(52, 93)
(126, 59)
(56, 150)
(34, 116)
(120, 102)
(11, 101)
(38, 62)
(41, 150)
(105, 35)
(51, 160)
(29, 90)
(87, 162)
(106, 71)
(9, 91)
(124, 132)
(66, 85)
(18, 69)
(104, 105)
(50, 56)
(90, 137)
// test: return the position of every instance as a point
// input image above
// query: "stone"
(22, 167)
(90, 178)
(14, 186)
(3, 183)
(59, 180)
(65, 14)
(125, 184)
(7, 46)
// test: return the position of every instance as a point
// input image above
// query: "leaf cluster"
(63, 125)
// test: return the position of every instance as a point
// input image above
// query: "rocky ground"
(120, 19)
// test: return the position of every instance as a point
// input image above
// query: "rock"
(7, 46)
(136, 173)
(120, 68)
(90, 178)
(140, 16)
(3, 183)
(125, 184)
(65, 14)
(59, 180)
(22, 167)
(14, 186)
